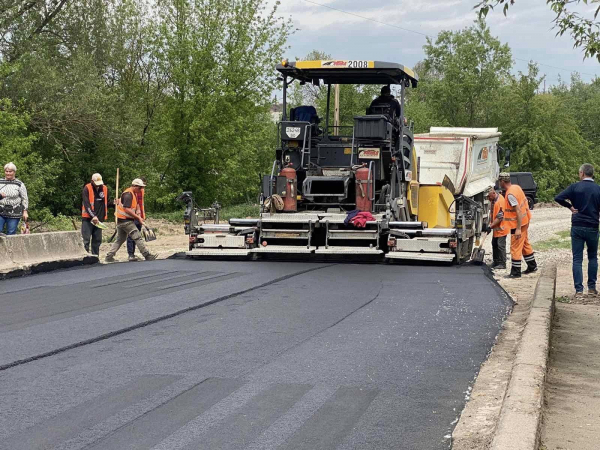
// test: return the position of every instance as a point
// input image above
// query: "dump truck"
(420, 197)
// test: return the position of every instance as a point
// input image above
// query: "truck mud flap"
(415, 256)
(349, 251)
(283, 249)
(218, 252)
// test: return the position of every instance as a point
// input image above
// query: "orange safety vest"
(510, 213)
(90, 189)
(499, 205)
(121, 213)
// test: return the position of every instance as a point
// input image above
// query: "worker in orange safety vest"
(127, 213)
(499, 229)
(141, 210)
(517, 217)
(94, 209)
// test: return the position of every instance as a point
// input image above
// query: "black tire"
(531, 202)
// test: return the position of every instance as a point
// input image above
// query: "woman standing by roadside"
(13, 200)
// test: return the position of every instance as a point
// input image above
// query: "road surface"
(178, 354)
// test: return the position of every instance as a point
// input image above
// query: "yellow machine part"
(413, 198)
(413, 186)
(434, 206)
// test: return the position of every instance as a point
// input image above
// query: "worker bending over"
(127, 213)
(516, 218)
(500, 230)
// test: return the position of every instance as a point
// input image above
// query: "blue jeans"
(11, 225)
(581, 236)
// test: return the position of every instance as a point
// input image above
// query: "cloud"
(527, 29)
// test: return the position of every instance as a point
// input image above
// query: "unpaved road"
(287, 356)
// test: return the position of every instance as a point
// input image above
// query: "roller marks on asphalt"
(214, 413)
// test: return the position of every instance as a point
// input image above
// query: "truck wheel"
(531, 202)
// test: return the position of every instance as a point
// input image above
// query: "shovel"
(479, 252)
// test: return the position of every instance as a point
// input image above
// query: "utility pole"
(336, 111)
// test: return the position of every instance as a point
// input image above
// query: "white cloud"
(527, 29)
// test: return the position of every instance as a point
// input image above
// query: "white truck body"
(467, 156)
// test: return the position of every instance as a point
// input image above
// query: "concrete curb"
(34, 253)
(520, 417)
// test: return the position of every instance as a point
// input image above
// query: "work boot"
(151, 257)
(578, 296)
(592, 293)
(109, 258)
(515, 272)
(531, 264)
(133, 258)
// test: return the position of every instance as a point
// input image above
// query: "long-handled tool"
(112, 238)
(479, 252)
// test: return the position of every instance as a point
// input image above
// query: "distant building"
(276, 112)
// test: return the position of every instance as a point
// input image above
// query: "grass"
(561, 241)
(563, 299)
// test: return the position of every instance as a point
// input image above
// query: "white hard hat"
(97, 179)
(138, 182)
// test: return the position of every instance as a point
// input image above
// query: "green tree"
(16, 145)
(464, 71)
(543, 135)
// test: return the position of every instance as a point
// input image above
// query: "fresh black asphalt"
(180, 354)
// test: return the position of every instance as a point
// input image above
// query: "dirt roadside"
(571, 418)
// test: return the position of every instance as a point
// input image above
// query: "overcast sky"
(527, 30)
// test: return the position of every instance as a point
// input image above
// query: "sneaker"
(578, 296)
(109, 259)
(151, 257)
(498, 267)
(530, 270)
(133, 258)
(592, 293)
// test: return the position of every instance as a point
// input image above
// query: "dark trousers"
(90, 231)
(580, 237)
(499, 250)
(131, 242)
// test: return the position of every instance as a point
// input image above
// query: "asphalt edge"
(519, 424)
(46, 266)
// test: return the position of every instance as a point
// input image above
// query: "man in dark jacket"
(386, 99)
(94, 209)
(583, 199)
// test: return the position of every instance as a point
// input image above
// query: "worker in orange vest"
(94, 208)
(127, 213)
(142, 213)
(499, 229)
(517, 217)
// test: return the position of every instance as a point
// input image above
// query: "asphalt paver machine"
(323, 172)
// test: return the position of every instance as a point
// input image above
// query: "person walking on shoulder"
(126, 211)
(583, 199)
(94, 208)
(499, 229)
(516, 218)
(14, 201)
